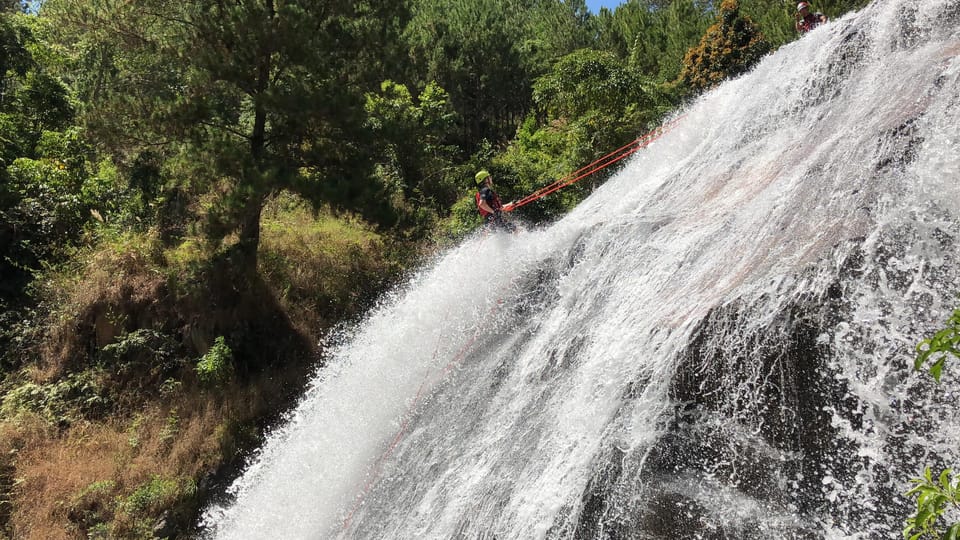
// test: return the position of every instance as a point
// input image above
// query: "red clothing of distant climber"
(807, 21)
(488, 203)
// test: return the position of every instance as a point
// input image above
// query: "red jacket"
(490, 197)
(811, 21)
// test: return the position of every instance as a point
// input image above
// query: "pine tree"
(256, 95)
(730, 47)
(472, 49)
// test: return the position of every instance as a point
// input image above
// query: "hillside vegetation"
(194, 195)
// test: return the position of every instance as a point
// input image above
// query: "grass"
(106, 429)
(90, 476)
(120, 475)
(322, 268)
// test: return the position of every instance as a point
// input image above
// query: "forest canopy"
(382, 108)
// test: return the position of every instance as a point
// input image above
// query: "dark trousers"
(496, 221)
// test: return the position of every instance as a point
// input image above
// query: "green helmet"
(481, 176)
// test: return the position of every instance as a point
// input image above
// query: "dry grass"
(149, 449)
(51, 473)
(63, 482)
(115, 292)
(55, 473)
(321, 268)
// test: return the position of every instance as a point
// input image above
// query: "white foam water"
(717, 343)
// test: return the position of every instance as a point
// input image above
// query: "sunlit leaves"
(934, 498)
(588, 79)
(944, 343)
(730, 47)
(415, 157)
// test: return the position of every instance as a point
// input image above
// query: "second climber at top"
(807, 21)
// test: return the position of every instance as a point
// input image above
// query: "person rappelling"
(807, 21)
(488, 202)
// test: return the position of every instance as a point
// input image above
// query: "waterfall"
(717, 343)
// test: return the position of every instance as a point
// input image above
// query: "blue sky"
(595, 5)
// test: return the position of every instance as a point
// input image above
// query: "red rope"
(597, 165)
(581, 173)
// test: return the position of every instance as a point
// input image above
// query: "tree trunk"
(249, 232)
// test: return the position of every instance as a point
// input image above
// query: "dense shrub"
(215, 368)
(76, 396)
(730, 47)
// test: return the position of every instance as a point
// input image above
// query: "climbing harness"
(596, 166)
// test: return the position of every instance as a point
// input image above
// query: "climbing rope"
(613, 157)
(597, 165)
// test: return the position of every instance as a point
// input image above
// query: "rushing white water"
(718, 343)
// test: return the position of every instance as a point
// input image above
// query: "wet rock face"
(750, 413)
(753, 422)
(750, 408)
(787, 415)
(748, 423)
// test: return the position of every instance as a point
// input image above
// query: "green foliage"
(76, 396)
(133, 432)
(44, 99)
(592, 102)
(100, 486)
(19, 331)
(53, 199)
(92, 506)
(943, 343)
(16, 59)
(136, 514)
(249, 97)
(215, 368)
(730, 47)
(775, 20)
(141, 360)
(170, 430)
(416, 159)
(32, 98)
(551, 30)
(101, 511)
(286, 105)
(170, 387)
(54, 192)
(537, 157)
(653, 35)
(49, 209)
(463, 217)
(151, 494)
(472, 48)
(588, 80)
(99, 531)
(934, 497)
(41, 208)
